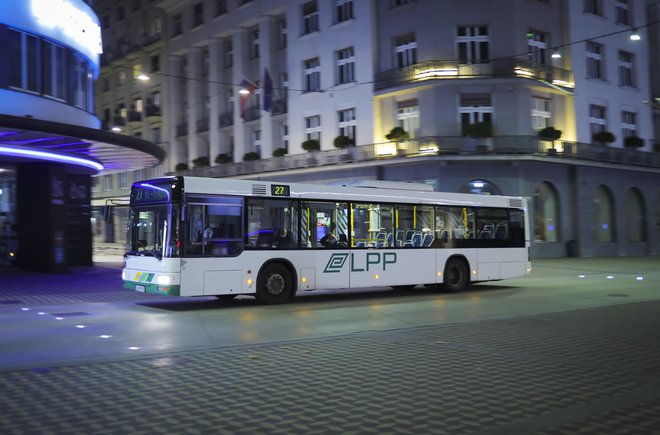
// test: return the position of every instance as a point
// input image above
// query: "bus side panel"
(332, 268)
(501, 263)
(390, 267)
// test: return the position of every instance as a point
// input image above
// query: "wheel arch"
(286, 263)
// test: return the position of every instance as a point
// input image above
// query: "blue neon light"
(53, 157)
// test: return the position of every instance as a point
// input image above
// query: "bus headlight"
(164, 280)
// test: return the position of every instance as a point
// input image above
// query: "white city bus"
(193, 236)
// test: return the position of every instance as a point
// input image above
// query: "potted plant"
(398, 135)
(201, 161)
(342, 143)
(481, 133)
(550, 133)
(603, 137)
(181, 167)
(311, 145)
(223, 158)
(279, 152)
(251, 156)
(633, 142)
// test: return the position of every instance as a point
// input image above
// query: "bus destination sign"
(279, 190)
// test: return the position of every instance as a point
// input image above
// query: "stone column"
(268, 46)
(215, 77)
(171, 109)
(195, 103)
(241, 53)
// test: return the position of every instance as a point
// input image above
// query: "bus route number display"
(279, 190)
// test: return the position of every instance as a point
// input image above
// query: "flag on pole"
(246, 91)
(268, 91)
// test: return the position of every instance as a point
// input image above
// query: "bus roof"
(376, 192)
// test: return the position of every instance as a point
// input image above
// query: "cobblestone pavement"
(594, 371)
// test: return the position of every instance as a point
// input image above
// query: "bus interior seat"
(427, 240)
(500, 231)
(485, 234)
(416, 239)
(343, 238)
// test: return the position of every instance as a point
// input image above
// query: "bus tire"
(456, 276)
(274, 285)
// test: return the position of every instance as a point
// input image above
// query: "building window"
(546, 214)
(313, 128)
(220, 7)
(123, 180)
(603, 213)
(138, 106)
(345, 66)
(597, 118)
(198, 15)
(537, 43)
(254, 46)
(155, 98)
(177, 24)
(156, 27)
(475, 109)
(623, 12)
(282, 40)
(626, 76)
(396, 3)
(593, 7)
(256, 141)
(595, 61)
(155, 63)
(628, 124)
(541, 114)
(407, 117)
(473, 44)
(284, 131)
(229, 53)
(635, 216)
(120, 13)
(347, 123)
(155, 135)
(405, 51)
(312, 75)
(310, 16)
(108, 182)
(205, 62)
(284, 85)
(343, 10)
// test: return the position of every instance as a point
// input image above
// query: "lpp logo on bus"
(361, 262)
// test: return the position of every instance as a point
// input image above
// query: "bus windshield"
(153, 231)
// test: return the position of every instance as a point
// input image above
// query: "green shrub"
(311, 145)
(550, 133)
(279, 152)
(250, 156)
(479, 129)
(223, 158)
(343, 142)
(603, 137)
(633, 142)
(181, 167)
(397, 134)
(201, 161)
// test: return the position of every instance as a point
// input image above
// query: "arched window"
(481, 187)
(546, 213)
(603, 215)
(635, 216)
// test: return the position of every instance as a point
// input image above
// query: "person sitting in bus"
(330, 241)
(283, 239)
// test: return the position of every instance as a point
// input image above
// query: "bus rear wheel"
(274, 285)
(457, 275)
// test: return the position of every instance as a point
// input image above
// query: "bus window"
(373, 225)
(272, 223)
(320, 220)
(414, 226)
(222, 230)
(454, 227)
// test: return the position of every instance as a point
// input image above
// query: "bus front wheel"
(457, 275)
(274, 285)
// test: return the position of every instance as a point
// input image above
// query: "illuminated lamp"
(50, 156)
(634, 36)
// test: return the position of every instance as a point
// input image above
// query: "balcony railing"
(202, 125)
(280, 106)
(439, 147)
(226, 119)
(502, 68)
(251, 113)
(181, 129)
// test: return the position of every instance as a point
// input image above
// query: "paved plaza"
(587, 371)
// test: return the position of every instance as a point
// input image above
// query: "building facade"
(471, 83)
